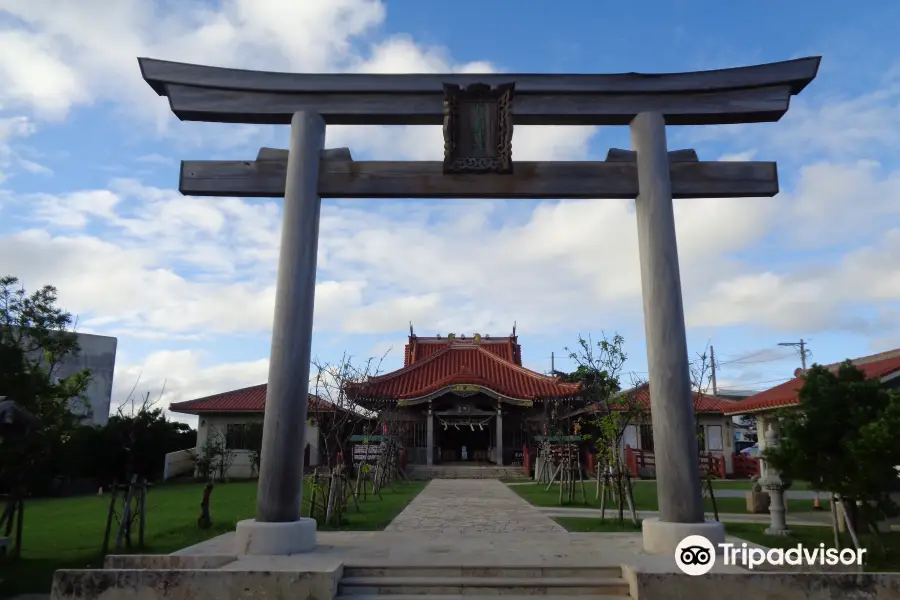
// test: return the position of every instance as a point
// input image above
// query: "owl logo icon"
(695, 555)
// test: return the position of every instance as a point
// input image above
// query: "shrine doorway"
(462, 441)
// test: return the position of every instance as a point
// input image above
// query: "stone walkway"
(471, 506)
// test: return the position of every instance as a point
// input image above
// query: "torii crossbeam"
(341, 177)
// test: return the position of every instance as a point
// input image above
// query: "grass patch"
(755, 532)
(813, 536)
(746, 484)
(67, 533)
(644, 498)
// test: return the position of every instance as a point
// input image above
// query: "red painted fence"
(744, 466)
(636, 459)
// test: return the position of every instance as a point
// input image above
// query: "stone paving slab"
(789, 495)
(471, 506)
(798, 519)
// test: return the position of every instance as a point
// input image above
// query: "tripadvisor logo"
(696, 555)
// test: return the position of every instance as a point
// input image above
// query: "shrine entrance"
(478, 112)
(464, 440)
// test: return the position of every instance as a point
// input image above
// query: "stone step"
(470, 586)
(475, 597)
(605, 572)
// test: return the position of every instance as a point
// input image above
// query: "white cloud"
(189, 266)
(177, 376)
(13, 128)
(814, 299)
(149, 263)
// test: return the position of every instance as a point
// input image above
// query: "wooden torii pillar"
(649, 173)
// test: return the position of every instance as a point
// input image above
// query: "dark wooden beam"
(542, 180)
(619, 155)
(795, 73)
(196, 103)
(282, 154)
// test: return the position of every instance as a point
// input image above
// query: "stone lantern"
(773, 483)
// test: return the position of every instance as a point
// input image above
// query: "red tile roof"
(420, 348)
(250, 399)
(464, 364)
(786, 394)
(703, 403)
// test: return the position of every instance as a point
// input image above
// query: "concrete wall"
(242, 465)
(178, 463)
(763, 585)
(98, 353)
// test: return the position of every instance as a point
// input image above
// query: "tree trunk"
(332, 492)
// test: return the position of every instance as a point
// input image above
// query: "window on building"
(714, 438)
(647, 437)
(243, 436)
(701, 438)
(236, 436)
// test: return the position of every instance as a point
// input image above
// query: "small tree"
(701, 369)
(609, 411)
(254, 444)
(338, 417)
(36, 337)
(215, 457)
(842, 438)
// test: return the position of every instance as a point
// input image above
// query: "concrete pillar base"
(275, 539)
(662, 537)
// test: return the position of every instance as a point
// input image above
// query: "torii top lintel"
(757, 93)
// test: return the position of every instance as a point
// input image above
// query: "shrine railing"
(745, 467)
(637, 459)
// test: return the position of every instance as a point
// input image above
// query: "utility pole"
(712, 365)
(803, 351)
(552, 362)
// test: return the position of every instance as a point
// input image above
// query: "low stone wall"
(167, 561)
(193, 584)
(771, 586)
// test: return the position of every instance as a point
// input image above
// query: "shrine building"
(462, 399)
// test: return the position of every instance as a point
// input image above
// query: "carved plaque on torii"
(478, 128)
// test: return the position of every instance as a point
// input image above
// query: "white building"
(97, 353)
(228, 415)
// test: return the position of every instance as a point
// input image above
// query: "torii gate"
(478, 113)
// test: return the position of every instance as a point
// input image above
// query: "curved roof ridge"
(407, 369)
(526, 370)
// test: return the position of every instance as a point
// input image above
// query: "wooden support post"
(142, 507)
(672, 410)
(429, 438)
(284, 426)
(109, 516)
(499, 444)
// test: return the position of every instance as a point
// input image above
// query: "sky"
(89, 159)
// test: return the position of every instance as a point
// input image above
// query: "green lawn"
(745, 484)
(68, 532)
(644, 498)
(752, 532)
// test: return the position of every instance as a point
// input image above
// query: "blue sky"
(89, 166)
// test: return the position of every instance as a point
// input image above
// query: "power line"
(754, 362)
(751, 355)
(755, 383)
